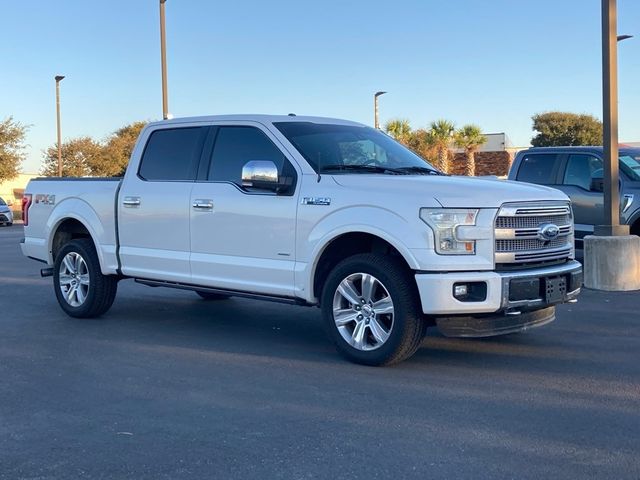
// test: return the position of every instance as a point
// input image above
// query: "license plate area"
(555, 289)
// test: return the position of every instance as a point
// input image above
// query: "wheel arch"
(343, 244)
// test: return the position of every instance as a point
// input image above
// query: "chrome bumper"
(572, 271)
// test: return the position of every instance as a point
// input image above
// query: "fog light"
(460, 290)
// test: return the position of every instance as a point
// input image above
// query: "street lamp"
(623, 37)
(58, 80)
(376, 124)
(163, 55)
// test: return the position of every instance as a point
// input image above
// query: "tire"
(8, 224)
(212, 296)
(77, 266)
(386, 327)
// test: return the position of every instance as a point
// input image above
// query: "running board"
(221, 291)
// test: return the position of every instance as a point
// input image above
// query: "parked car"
(6, 215)
(578, 172)
(309, 211)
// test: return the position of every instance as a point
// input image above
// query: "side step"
(221, 291)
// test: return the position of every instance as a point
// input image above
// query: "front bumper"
(6, 217)
(513, 291)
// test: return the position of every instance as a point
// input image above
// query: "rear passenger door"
(154, 205)
(588, 205)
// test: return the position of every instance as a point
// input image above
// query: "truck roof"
(260, 118)
(588, 149)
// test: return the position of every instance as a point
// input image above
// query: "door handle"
(131, 201)
(203, 204)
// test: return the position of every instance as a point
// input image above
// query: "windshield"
(2, 202)
(631, 166)
(352, 149)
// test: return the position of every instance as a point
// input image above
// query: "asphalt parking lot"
(169, 386)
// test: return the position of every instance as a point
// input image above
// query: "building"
(492, 158)
(12, 190)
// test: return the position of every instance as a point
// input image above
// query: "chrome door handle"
(131, 201)
(203, 204)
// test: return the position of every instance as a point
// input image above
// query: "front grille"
(519, 233)
(531, 221)
(528, 244)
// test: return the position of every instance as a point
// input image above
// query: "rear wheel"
(81, 288)
(372, 311)
(211, 296)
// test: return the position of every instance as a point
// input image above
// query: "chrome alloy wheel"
(363, 311)
(74, 279)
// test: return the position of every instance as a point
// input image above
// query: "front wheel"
(81, 288)
(371, 310)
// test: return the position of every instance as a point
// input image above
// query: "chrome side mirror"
(260, 174)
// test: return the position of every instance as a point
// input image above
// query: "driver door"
(243, 239)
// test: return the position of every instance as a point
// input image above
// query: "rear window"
(537, 168)
(172, 154)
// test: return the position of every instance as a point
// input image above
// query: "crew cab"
(578, 172)
(310, 211)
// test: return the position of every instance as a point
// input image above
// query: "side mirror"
(263, 175)
(597, 182)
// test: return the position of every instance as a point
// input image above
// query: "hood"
(454, 192)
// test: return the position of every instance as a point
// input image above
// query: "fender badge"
(316, 201)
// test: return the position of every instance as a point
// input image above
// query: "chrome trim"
(131, 201)
(628, 200)
(259, 171)
(524, 232)
(571, 266)
(316, 201)
(203, 204)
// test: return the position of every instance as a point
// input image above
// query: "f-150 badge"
(316, 201)
(45, 199)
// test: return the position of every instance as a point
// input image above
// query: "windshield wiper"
(420, 170)
(359, 168)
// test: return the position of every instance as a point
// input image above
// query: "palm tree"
(470, 138)
(440, 136)
(400, 129)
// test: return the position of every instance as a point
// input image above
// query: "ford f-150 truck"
(309, 211)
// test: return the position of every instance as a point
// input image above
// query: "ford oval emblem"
(548, 231)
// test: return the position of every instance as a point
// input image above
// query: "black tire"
(101, 290)
(408, 327)
(8, 224)
(212, 296)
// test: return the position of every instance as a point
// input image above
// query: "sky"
(470, 61)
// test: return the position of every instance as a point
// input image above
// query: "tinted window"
(580, 169)
(172, 154)
(327, 147)
(234, 147)
(537, 168)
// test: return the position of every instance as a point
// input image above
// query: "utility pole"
(376, 123)
(611, 225)
(58, 80)
(163, 55)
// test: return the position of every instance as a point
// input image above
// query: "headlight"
(444, 222)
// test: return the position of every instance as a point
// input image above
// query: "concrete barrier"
(612, 263)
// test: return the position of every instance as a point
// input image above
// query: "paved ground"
(169, 386)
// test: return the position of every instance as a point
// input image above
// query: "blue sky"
(492, 63)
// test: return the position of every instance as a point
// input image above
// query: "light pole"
(58, 80)
(610, 39)
(163, 55)
(623, 37)
(376, 123)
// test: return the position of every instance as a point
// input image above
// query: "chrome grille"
(531, 221)
(528, 244)
(518, 233)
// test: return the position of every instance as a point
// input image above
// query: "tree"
(400, 129)
(566, 129)
(470, 138)
(12, 137)
(118, 148)
(440, 136)
(79, 158)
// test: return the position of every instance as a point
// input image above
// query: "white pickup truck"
(310, 211)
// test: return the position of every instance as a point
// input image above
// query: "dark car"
(578, 172)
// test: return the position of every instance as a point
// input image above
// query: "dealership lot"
(169, 386)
